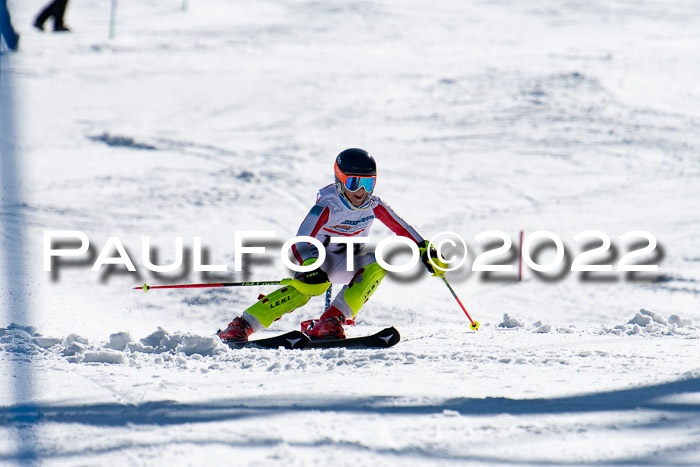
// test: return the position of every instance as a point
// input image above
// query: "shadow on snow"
(168, 413)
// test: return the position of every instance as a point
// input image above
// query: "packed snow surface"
(202, 118)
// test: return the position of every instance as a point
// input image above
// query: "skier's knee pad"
(273, 306)
(363, 286)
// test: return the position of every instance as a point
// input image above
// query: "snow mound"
(645, 317)
(191, 345)
(74, 339)
(162, 341)
(511, 322)
(19, 339)
(46, 342)
(649, 322)
(117, 350)
(680, 322)
(104, 356)
(119, 341)
(26, 329)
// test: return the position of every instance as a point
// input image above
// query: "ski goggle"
(355, 182)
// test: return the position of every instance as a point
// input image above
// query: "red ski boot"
(238, 330)
(329, 326)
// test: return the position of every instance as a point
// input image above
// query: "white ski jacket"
(333, 216)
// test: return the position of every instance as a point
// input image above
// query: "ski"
(385, 338)
(289, 340)
(298, 340)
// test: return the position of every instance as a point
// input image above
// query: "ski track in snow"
(511, 116)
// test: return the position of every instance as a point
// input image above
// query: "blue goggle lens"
(355, 183)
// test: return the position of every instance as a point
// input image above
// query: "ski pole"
(147, 287)
(474, 324)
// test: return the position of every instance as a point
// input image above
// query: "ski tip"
(393, 336)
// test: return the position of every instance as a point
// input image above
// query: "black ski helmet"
(351, 162)
(356, 161)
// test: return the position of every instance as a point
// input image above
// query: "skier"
(57, 8)
(344, 209)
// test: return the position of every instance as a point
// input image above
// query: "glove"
(430, 256)
(317, 276)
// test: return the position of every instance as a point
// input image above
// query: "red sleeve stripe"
(322, 219)
(390, 221)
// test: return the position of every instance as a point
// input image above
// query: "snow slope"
(531, 116)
